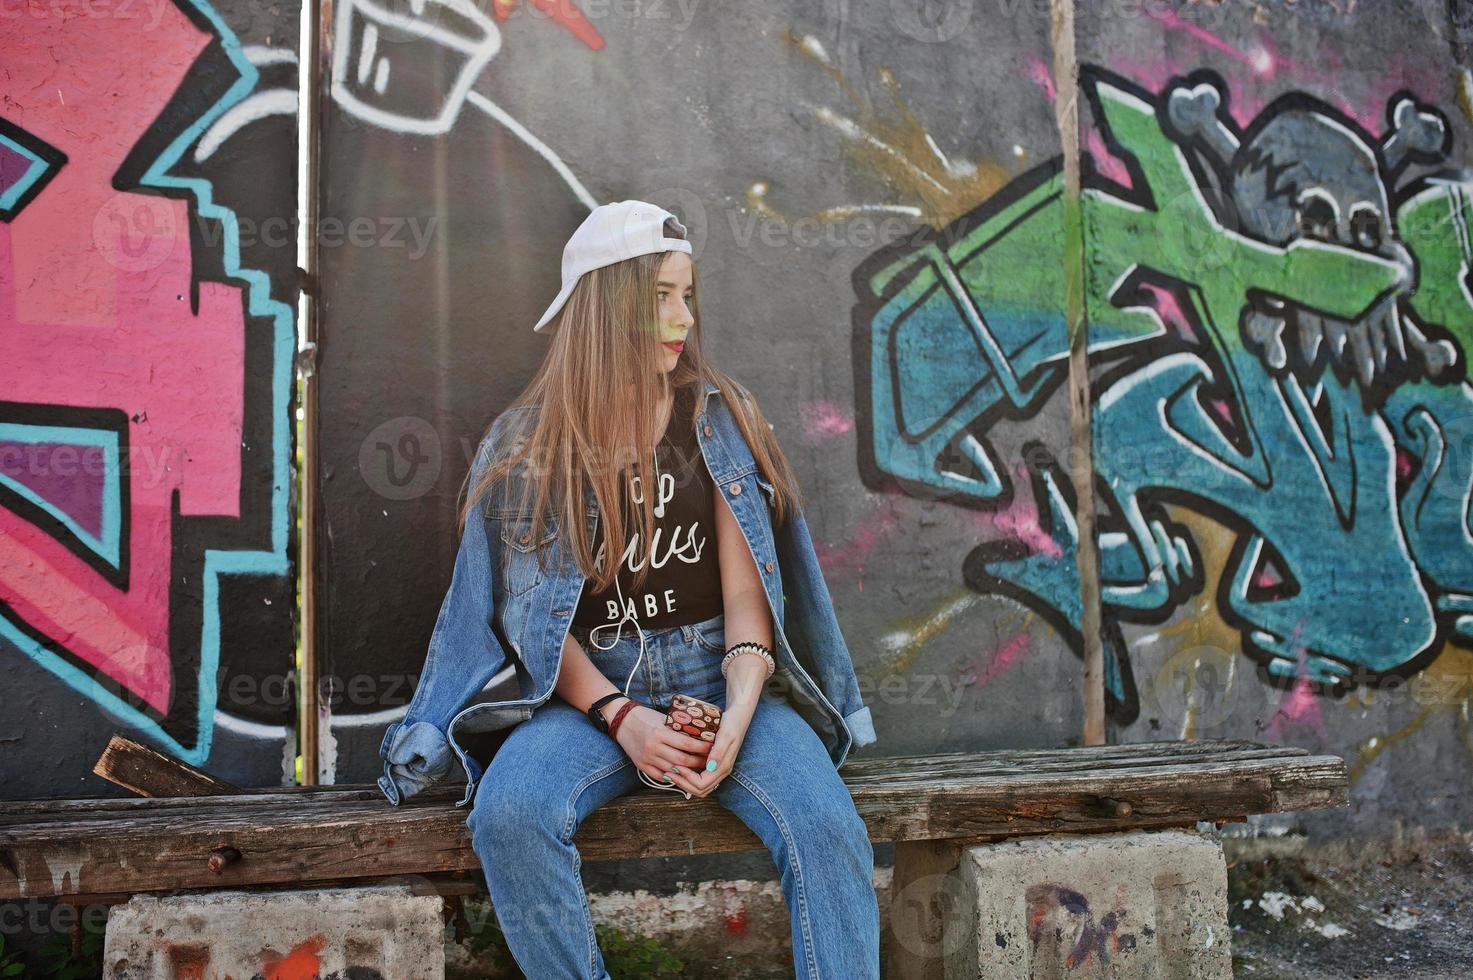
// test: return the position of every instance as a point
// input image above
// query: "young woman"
(633, 532)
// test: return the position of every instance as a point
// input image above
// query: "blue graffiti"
(1275, 340)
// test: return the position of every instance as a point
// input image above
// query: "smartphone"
(697, 718)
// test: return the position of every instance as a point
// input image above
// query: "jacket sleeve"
(463, 655)
(810, 625)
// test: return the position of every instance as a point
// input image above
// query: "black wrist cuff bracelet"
(596, 716)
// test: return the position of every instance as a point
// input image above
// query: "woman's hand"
(744, 679)
(656, 748)
(734, 723)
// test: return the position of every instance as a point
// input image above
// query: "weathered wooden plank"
(295, 838)
(907, 768)
(962, 767)
(327, 803)
(1089, 754)
(285, 795)
(148, 772)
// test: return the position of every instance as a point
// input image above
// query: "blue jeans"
(555, 768)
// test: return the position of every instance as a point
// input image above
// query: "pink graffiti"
(96, 290)
(1168, 308)
(1019, 522)
(1405, 465)
(822, 420)
(1042, 76)
(1261, 59)
(1007, 655)
(1300, 707)
(736, 922)
(1263, 62)
(561, 12)
(862, 540)
(1106, 163)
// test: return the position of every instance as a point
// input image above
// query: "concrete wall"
(758, 132)
(1256, 409)
(1270, 523)
(147, 296)
(1273, 519)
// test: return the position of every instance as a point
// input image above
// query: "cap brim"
(557, 304)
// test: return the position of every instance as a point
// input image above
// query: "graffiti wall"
(1277, 295)
(1286, 553)
(794, 143)
(1276, 261)
(147, 291)
(440, 209)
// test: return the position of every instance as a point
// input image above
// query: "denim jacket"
(504, 613)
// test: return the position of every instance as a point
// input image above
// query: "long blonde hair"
(595, 397)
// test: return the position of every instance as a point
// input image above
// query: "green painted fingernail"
(710, 765)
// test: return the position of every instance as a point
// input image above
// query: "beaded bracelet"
(748, 646)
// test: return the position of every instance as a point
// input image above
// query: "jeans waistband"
(687, 631)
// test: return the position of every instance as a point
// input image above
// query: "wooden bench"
(931, 806)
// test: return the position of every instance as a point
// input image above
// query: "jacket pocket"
(519, 553)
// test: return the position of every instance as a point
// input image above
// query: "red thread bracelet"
(619, 716)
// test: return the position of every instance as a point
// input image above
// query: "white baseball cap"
(611, 233)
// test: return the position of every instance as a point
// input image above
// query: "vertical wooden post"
(1081, 447)
(924, 892)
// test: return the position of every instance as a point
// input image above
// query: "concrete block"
(1127, 906)
(368, 933)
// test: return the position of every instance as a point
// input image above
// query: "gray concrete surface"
(1382, 911)
(373, 933)
(1124, 906)
(1392, 908)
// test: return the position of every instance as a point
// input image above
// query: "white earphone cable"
(627, 614)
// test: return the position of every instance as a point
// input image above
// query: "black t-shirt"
(684, 582)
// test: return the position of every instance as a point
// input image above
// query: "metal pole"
(314, 53)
